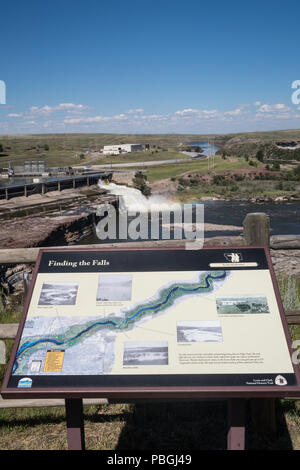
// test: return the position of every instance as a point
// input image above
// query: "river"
(207, 148)
(284, 216)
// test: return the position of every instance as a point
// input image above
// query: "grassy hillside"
(248, 144)
(65, 149)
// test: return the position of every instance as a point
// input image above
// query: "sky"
(149, 66)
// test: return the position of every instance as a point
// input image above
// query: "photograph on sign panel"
(115, 287)
(149, 353)
(58, 293)
(199, 331)
(242, 304)
(35, 366)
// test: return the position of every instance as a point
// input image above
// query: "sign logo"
(2, 92)
(280, 380)
(233, 257)
(26, 382)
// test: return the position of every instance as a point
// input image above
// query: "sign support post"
(236, 424)
(263, 411)
(75, 424)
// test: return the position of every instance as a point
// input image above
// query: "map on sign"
(83, 336)
(97, 318)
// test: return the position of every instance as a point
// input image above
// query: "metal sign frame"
(148, 391)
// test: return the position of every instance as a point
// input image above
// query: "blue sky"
(149, 66)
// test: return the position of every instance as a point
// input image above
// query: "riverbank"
(56, 218)
(241, 186)
(168, 187)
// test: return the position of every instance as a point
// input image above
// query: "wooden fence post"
(263, 410)
(257, 229)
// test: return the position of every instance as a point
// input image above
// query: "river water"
(284, 216)
(207, 147)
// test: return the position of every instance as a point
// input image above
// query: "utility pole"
(208, 157)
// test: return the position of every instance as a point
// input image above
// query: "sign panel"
(97, 321)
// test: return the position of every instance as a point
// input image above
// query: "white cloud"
(267, 108)
(73, 117)
(69, 107)
(91, 119)
(187, 111)
(197, 113)
(135, 111)
(234, 112)
(85, 119)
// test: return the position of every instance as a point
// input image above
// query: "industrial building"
(121, 148)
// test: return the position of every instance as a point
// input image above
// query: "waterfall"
(132, 200)
(158, 209)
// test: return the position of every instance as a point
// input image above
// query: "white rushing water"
(132, 200)
(159, 209)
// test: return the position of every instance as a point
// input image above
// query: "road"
(145, 163)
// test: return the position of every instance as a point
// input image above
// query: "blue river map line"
(118, 323)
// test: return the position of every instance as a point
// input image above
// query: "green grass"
(175, 170)
(150, 155)
(180, 427)
(289, 287)
(237, 190)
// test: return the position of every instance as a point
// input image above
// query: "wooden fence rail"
(29, 255)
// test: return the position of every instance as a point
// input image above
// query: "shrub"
(276, 166)
(260, 155)
(139, 182)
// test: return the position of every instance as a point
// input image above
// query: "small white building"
(121, 148)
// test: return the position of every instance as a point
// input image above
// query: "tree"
(296, 172)
(260, 155)
(1, 148)
(276, 166)
(139, 182)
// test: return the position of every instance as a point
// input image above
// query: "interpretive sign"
(152, 323)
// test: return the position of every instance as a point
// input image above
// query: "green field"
(65, 149)
(197, 166)
(149, 155)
